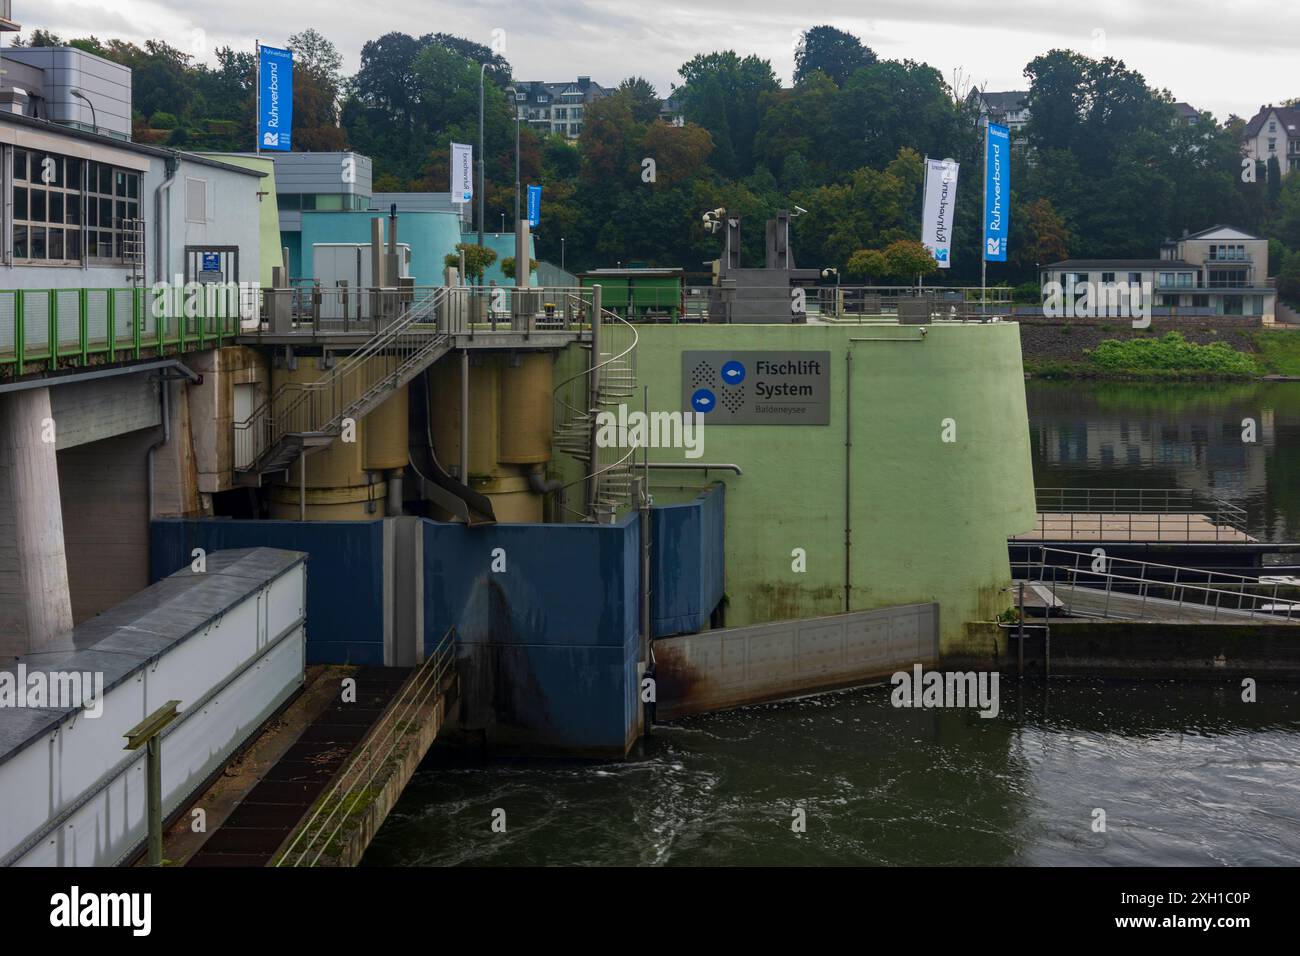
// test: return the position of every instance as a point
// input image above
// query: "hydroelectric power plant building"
(356, 473)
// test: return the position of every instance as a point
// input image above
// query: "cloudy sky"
(1226, 56)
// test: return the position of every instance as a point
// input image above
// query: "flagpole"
(984, 255)
(257, 86)
(925, 188)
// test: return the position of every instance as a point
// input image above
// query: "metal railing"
(578, 402)
(382, 364)
(1085, 584)
(334, 811)
(45, 329)
(1170, 514)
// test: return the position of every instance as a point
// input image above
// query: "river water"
(1183, 773)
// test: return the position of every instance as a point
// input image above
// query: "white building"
(1220, 271)
(558, 108)
(1274, 132)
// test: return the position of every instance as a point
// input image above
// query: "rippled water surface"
(1186, 774)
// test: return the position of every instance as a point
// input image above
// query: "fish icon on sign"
(733, 373)
(703, 401)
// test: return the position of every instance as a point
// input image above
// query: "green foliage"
(1279, 350)
(508, 266)
(477, 259)
(834, 53)
(1171, 353)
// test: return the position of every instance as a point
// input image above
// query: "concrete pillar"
(29, 476)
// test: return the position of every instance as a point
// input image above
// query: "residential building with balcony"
(1220, 271)
(1274, 132)
(558, 108)
(1006, 108)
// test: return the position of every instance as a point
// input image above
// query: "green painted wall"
(929, 520)
(268, 217)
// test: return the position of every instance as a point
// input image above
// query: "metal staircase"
(301, 417)
(608, 482)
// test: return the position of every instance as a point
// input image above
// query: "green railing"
(46, 329)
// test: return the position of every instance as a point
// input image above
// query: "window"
(1135, 278)
(1166, 279)
(47, 208)
(1233, 305)
(1201, 301)
(196, 200)
(112, 209)
(1108, 277)
(288, 201)
(1272, 126)
(560, 113)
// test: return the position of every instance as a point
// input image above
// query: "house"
(1220, 271)
(1187, 115)
(556, 107)
(1274, 132)
(1007, 109)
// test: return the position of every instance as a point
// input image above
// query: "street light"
(561, 253)
(94, 120)
(481, 212)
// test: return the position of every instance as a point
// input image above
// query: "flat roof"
(1092, 265)
(58, 129)
(644, 271)
(141, 629)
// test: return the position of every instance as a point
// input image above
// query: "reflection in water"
(1189, 436)
(1186, 774)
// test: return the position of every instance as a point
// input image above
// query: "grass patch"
(1279, 351)
(1171, 355)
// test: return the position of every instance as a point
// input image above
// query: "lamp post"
(561, 253)
(94, 120)
(481, 212)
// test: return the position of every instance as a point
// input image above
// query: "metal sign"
(462, 172)
(758, 388)
(275, 98)
(997, 192)
(534, 205)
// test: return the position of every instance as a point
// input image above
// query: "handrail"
(1272, 602)
(375, 751)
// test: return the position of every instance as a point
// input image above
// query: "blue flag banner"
(534, 205)
(997, 192)
(275, 113)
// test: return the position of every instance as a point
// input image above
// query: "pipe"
(848, 483)
(394, 494)
(464, 418)
(538, 485)
(705, 465)
(161, 267)
(164, 401)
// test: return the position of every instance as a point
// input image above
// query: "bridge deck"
(1132, 527)
(1120, 605)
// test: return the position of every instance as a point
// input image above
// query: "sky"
(1225, 56)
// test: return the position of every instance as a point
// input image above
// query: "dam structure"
(531, 522)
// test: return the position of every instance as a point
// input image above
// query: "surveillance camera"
(799, 210)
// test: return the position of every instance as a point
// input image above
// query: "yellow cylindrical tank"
(526, 410)
(385, 431)
(344, 482)
(444, 413)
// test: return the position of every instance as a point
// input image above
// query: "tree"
(508, 266)
(641, 97)
(830, 51)
(908, 259)
(867, 264)
(722, 93)
(317, 85)
(477, 259)
(1042, 237)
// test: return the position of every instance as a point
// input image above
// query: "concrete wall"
(928, 519)
(212, 403)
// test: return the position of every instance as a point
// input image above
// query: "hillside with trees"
(1105, 169)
